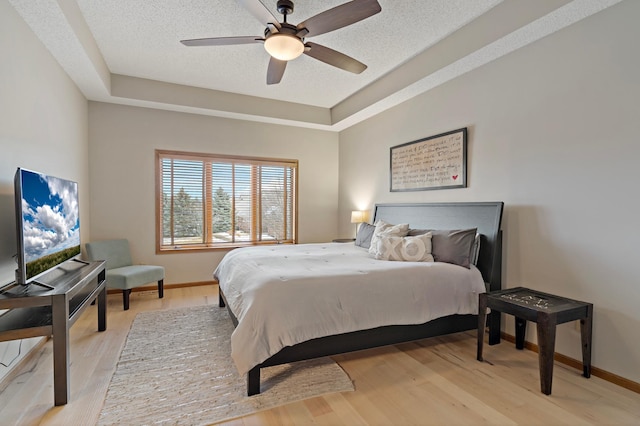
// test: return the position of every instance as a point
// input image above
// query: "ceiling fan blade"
(335, 58)
(261, 13)
(275, 70)
(340, 16)
(222, 41)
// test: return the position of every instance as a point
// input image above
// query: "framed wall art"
(436, 162)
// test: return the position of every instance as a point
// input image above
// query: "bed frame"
(484, 216)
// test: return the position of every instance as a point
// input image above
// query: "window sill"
(226, 247)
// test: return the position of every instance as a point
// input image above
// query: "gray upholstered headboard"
(487, 217)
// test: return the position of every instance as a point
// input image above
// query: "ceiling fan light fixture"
(284, 47)
(285, 42)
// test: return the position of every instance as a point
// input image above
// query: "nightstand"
(546, 310)
(344, 240)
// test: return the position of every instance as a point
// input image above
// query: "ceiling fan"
(284, 41)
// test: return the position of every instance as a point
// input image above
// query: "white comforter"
(287, 294)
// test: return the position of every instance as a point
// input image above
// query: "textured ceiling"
(141, 39)
(128, 52)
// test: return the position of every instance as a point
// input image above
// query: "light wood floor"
(434, 381)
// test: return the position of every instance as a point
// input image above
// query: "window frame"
(208, 194)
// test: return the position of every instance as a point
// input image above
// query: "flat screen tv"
(47, 223)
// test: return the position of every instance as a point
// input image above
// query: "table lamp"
(357, 217)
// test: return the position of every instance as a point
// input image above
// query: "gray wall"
(43, 127)
(553, 132)
(122, 145)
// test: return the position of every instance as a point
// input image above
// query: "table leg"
(482, 321)
(521, 330)
(586, 325)
(60, 325)
(102, 309)
(494, 318)
(546, 327)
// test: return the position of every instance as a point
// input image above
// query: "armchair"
(121, 272)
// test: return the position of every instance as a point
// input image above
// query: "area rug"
(176, 368)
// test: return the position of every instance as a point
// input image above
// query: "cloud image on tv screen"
(50, 217)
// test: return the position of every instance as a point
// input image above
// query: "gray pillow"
(451, 246)
(365, 232)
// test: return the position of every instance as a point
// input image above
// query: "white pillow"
(412, 249)
(385, 229)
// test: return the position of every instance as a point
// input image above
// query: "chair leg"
(125, 298)
(160, 289)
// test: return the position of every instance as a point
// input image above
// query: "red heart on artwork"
(455, 177)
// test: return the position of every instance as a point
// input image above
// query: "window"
(206, 201)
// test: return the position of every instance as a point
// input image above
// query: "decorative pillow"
(475, 249)
(385, 229)
(451, 246)
(412, 249)
(365, 232)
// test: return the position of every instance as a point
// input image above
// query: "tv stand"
(51, 308)
(45, 285)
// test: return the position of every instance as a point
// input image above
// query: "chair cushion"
(132, 276)
(115, 252)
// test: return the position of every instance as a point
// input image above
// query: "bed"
(284, 315)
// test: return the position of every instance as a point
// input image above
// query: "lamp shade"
(284, 47)
(357, 216)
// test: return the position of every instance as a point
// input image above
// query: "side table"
(546, 310)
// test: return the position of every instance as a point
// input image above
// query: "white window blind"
(213, 201)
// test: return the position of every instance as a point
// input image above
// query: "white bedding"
(287, 294)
